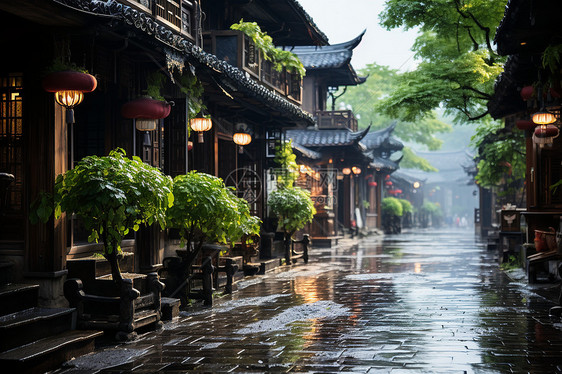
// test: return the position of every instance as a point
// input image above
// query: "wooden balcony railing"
(177, 14)
(336, 120)
(238, 50)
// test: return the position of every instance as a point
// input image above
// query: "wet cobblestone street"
(419, 302)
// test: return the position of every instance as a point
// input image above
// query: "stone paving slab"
(421, 302)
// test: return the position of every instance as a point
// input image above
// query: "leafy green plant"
(391, 206)
(287, 170)
(431, 211)
(552, 58)
(193, 89)
(264, 43)
(59, 65)
(155, 81)
(406, 206)
(205, 210)
(111, 195)
(294, 207)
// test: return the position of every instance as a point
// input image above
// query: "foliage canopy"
(293, 206)
(205, 210)
(111, 195)
(458, 65)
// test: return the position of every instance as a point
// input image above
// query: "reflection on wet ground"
(419, 302)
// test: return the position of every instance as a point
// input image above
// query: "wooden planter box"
(104, 305)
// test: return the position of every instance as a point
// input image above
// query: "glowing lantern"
(346, 171)
(69, 88)
(200, 125)
(241, 139)
(543, 117)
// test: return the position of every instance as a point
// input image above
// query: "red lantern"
(147, 111)
(387, 177)
(527, 92)
(372, 184)
(525, 124)
(146, 107)
(388, 183)
(546, 131)
(69, 81)
(398, 191)
(189, 145)
(69, 87)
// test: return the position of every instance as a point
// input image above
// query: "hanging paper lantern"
(388, 183)
(146, 111)
(547, 131)
(372, 184)
(525, 124)
(69, 87)
(527, 92)
(200, 125)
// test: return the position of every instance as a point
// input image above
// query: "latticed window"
(11, 137)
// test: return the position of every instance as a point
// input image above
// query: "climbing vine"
(264, 43)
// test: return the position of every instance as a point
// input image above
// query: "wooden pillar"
(46, 149)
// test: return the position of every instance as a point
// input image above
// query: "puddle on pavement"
(317, 310)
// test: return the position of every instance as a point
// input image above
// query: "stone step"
(48, 353)
(15, 297)
(30, 324)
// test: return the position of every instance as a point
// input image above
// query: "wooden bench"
(538, 259)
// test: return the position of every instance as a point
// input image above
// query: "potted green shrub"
(407, 211)
(206, 211)
(391, 212)
(430, 214)
(111, 195)
(294, 208)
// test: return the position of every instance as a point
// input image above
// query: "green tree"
(205, 210)
(501, 160)
(364, 100)
(457, 71)
(111, 195)
(294, 207)
(458, 65)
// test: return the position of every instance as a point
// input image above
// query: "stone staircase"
(35, 339)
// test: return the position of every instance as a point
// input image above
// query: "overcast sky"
(344, 20)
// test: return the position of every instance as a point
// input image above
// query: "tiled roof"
(329, 56)
(384, 164)
(382, 139)
(222, 69)
(334, 60)
(305, 152)
(326, 137)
